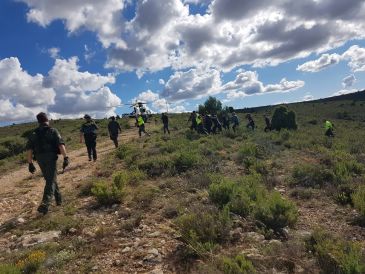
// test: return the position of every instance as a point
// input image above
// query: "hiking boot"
(89, 159)
(43, 209)
(58, 199)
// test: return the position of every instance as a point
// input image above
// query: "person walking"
(165, 121)
(268, 123)
(208, 123)
(192, 118)
(251, 122)
(328, 126)
(216, 124)
(114, 129)
(225, 121)
(235, 121)
(199, 125)
(88, 131)
(141, 128)
(44, 145)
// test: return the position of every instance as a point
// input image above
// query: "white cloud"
(65, 92)
(247, 83)
(323, 62)
(308, 97)
(194, 83)
(348, 81)
(356, 57)
(54, 52)
(344, 91)
(146, 96)
(161, 81)
(102, 17)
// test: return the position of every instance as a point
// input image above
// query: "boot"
(43, 209)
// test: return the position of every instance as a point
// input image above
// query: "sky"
(72, 57)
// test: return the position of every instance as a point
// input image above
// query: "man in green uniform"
(114, 129)
(45, 143)
(141, 128)
(88, 131)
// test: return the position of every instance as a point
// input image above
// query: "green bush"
(308, 175)
(156, 165)
(240, 203)
(186, 160)
(283, 118)
(126, 177)
(336, 255)
(203, 228)
(107, 193)
(221, 192)
(144, 196)
(276, 212)
(9, 269)
(358, 199)
(237, 265)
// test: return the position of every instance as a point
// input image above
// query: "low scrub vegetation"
(236, 265)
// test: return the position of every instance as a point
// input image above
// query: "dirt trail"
(21, 192)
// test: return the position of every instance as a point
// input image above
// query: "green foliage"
(237, 265)
(186, 160)
(202, 229)
(128, 177)
(108, 193)
(221, 192)
(32, 262)
(156, 165)
(275, 212)
(212, 106)
(335, 255)
(9, 269)
(308, 175)
(283, 118)
(144, 196)
(11, 146)
(358, 199)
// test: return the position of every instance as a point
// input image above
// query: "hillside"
(243, 202)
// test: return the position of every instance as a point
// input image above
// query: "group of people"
(45, 143)
(213, 124)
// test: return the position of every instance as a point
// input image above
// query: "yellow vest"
(140, 121)
(198, 120)
(328, 125)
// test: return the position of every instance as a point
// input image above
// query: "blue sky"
(72, 57)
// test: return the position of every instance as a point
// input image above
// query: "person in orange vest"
(141, 128)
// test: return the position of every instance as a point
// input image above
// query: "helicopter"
(140, 108)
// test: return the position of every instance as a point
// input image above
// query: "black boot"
(58, 198)
(43, 209)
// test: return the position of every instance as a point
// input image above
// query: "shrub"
(283, 118)
(276, 212)
(186, 160)
(202, 229)
(125, 177)
(221, 192)
(9, 269)
(240, 203)
(144, 196)
(108, 194)
(335, 255)
(308, 175)
(32, 262)
(237, 265)
(156, 165)
(358, 199)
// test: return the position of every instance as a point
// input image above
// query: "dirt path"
(21, 192)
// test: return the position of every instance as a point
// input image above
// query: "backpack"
(89, 129)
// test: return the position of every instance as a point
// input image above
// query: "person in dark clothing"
(225, 121)
(45, 143)
(268, 123)
(88, 131)
(251, 122)
(192, 118)
(165, 121)
(208, 123)
(216, 124)
(235, 121)
(329, 129)
(114, 129)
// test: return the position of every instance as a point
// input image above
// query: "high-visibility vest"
(328, 125)
(198, 120)
(140, 121)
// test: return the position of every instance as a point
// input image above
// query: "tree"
(212, 106)
(283, 118)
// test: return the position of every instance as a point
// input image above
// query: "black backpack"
(45, 140)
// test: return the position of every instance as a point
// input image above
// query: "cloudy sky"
(73, 57)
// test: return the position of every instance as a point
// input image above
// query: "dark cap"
(42, 117)
(87, 117)
(113, 118)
